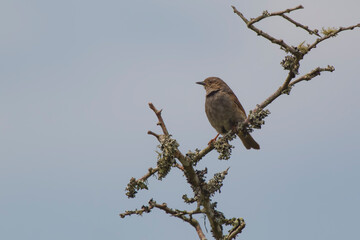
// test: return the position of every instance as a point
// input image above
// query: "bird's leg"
(234, 129)
(214, 139)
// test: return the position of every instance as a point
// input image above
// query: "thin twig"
(154, 134)
(306, 28)
(203, 152)
(266, 14)
(173, 212)
(333, 34)
(181, 215)
(236, 230)
(144, 209)
(179, 167)
(196, 179)
(279, 42)
(312, 74)
(161, 121)
(151, 172)
(282, 14)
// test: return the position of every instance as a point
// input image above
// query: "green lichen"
(214, 185)
(291, 63)
(134, 186)
(257, 118)
(223, 147)
(166, 158)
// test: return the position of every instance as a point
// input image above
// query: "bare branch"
(161, 122)
(266, 14)
(173, 212)
(285, 88)
(306, 28)
(181, 215)
(154, 134)
(312, 74)
(279, 42)
(282, 14)
(151, 172)
(203, 152)
(291, 63)
(271, 98)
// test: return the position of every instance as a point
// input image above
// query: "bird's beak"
(201, 83)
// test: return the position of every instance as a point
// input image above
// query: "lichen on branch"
(170, 156)
(166, 157)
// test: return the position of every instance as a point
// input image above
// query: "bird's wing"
(236, 100)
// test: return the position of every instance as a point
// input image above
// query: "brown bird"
(224, 110)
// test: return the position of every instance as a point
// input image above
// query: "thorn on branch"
(158, 115)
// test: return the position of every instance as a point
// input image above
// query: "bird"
(224, 111)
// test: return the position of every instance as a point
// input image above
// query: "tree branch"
(181, 215)
(266, 14)
(136, 184)
(161, 121)
(193, 179)
(312, 74)
(330, 33)
(306, 28)
(170, 155)
(291, 63)
(239, 225)
(250, 25)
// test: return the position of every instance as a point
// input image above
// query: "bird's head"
(213, 84)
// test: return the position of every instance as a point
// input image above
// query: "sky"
(76, 78)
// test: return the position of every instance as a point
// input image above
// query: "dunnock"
(224, 110)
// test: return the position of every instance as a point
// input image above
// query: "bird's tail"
(248, 141)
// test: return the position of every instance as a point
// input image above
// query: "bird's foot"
(214, 139)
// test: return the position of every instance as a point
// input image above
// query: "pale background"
(75, 80)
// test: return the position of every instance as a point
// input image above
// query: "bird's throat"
(212, 92)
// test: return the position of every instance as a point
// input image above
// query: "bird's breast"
(222, 112)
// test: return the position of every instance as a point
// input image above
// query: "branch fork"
(170, 155)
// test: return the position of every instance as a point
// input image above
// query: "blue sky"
(75, 80)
